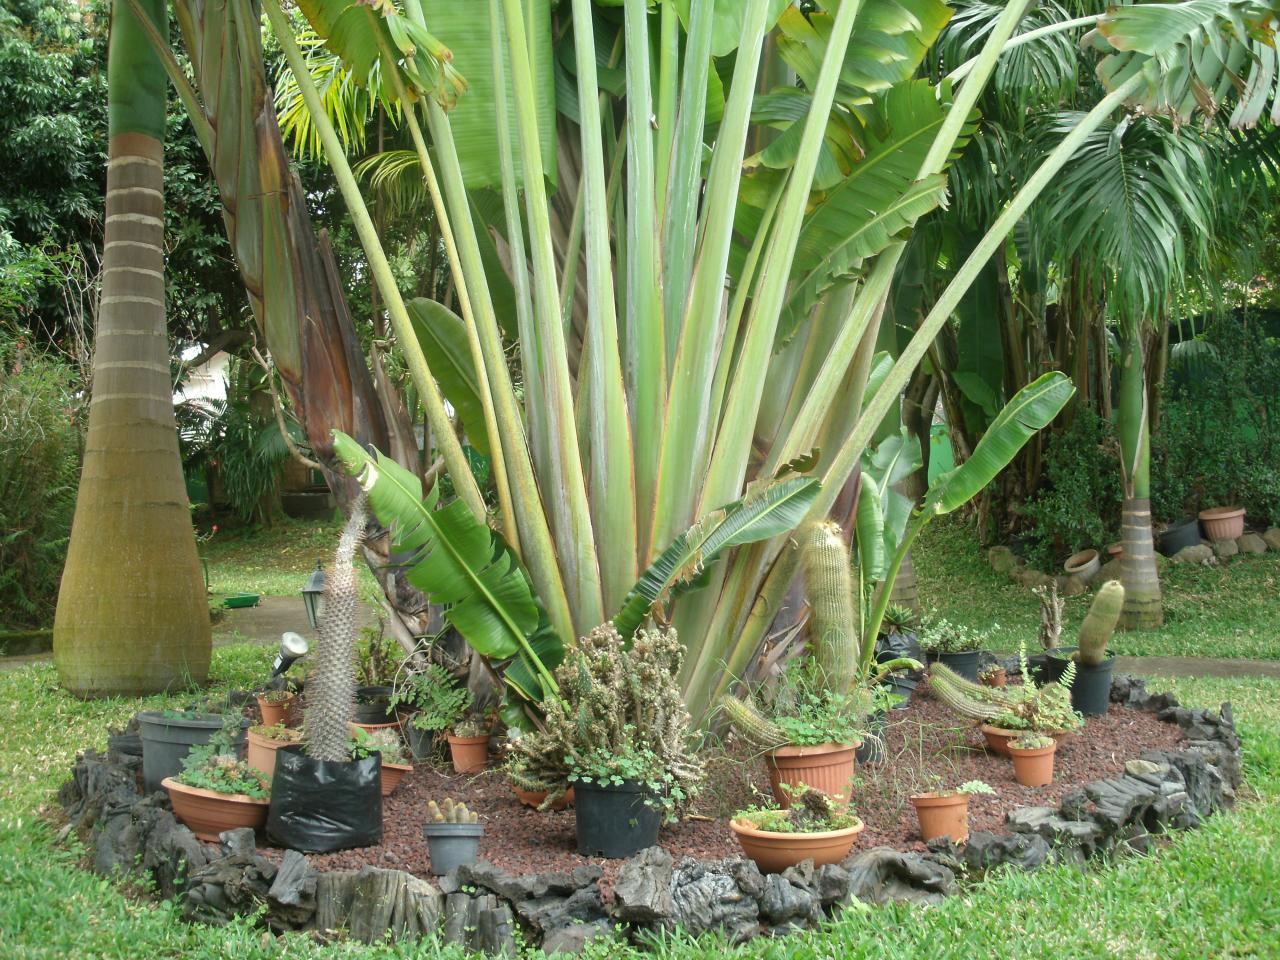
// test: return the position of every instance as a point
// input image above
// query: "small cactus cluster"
(1100, 623)
(450, 812)
(1046, 707)
(331, 685)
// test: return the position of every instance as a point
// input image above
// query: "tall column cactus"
(833, 625)
(1100, 623)
(331, 685)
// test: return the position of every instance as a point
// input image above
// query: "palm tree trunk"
(132, 614)
(1142, 606)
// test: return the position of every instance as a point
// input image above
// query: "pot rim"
(173, 786)
(1221, 513)
(271, 742)
(262, 698)
(1032, 751)
(406, 767)
(935, 798)
(201, 721)
(1078, 561)
(746, 830)
(813, 749)
(464, 830)
(466, 741)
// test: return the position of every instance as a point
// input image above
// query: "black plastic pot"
(1048, 667)
(452, 844)
(871, 750)
(1184, 533)
(373, 705)
(323, 805)
(964, 663)
(903, 685)
(615, 822)
(166, 741)
(1091, 689)
(420, 741)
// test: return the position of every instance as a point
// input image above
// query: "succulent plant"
(1100, 623)
(833, 625)
(450, 812)
(331, 684)
(755, 728)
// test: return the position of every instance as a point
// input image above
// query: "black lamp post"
(313, 596)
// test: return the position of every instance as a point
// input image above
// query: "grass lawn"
(1231, 610)
(1209, 893)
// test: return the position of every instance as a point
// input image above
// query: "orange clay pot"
(774, 852)
(261, 754)
(1034, 767)
(470, 754)
(827, 767)
(942, 815)
(370, 727)
(392, 774)
(997, 679)
(998, 739)
(1223, 523)
(208, 813)
(534, 798)
(277, 711)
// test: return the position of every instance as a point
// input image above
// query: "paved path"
(1197, 667)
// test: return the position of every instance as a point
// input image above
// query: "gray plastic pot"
(452, 844)
(166, 741)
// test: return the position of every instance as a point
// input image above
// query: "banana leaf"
(443, 337)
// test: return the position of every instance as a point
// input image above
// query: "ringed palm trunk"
(132, 616)
(1142, 604)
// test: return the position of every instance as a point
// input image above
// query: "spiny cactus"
(755, 729)
(331, 685)
(961, 696)
(833, 615)
(450, 812)
(1100, 623)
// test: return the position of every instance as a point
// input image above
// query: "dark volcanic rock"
(718, 895)
(642, 891)
(883, 874)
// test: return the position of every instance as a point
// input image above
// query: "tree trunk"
(132, 614)
(1142, 605)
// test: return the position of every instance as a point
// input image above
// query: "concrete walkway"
(1196, 667)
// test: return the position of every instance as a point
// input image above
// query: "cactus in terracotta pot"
(1100, 623)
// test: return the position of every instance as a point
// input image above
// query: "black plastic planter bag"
(322, 805)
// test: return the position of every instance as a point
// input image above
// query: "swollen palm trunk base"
(1142, 603)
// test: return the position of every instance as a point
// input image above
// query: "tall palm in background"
(132, 617)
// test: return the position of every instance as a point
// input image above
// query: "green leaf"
(775, 509)
(1033, 408)
(869, 525)
(443, 337)
(726, 26)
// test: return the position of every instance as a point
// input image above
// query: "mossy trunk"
(132, 614)
(1142, 602)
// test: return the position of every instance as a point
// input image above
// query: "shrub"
(40, 449)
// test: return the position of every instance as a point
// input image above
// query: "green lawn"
(1232, 610)
(1209, 893)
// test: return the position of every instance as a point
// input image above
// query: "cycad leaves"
(773, 511)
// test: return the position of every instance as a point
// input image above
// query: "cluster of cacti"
(331, 684)
(614, 698)
(833, 607)
(1040, 708)
(450, 812)
(1051, 607)
(1100, 623)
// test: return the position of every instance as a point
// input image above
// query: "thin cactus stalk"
(331, 685)
(996, 696)
(1100, 623)
(962, 697)
(754, 728)
(832, 618)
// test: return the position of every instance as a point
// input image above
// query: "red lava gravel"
(923, 741)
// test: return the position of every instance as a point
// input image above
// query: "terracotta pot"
(1116, 550)
(774, 852)
(370, 727)
(392, 774)
(470, 754)
(1033, 768)
(942, 815)
(208, 813)
(997, 679)
(534, 798)
(827, 767)
(274, 712)
(998, 739)
(262, 752)
(1084, 565)
(1223, 523)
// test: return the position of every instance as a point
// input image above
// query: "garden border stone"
(483, 908)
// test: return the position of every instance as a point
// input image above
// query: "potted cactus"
(812, 827)
(469, 742)
(453, 835)
(1033, 759)
(323, 798)
(1091, 684)
(993, 675)
(428, 701)
(809, 733)
(275, 705)
(945, 813)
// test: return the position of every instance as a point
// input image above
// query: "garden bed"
(923, 739)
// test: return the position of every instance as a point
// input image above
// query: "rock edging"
(483, 907)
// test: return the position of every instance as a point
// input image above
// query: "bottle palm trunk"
(1138, 573)
(132, 614)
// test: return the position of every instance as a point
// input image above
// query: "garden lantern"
(313, 596)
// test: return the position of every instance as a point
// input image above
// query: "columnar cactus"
(331, 685)
(755, 729)
(833, 625)
(450, 812)
(963, 697)
(1100, 623)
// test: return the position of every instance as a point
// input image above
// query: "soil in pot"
(942, 815)
(275, 711)
(1086, 564)
(208, 813)
(168, 738)
(964, 663)
(392, 774)
(470, 754)
(1184, 533)
(827, 767)
(322, 805)
(615, 821)
(1223, 523)
(774, 852)
(451, 845)
(1033, 767)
